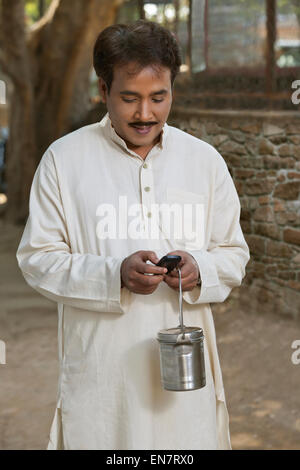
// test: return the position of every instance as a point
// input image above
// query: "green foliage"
(32, 9)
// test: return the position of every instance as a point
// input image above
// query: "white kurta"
(109, 391)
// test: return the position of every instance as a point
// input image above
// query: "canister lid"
(170, 335)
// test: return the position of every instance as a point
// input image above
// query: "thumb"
(151, 256)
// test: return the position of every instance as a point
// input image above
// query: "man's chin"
(136, 140)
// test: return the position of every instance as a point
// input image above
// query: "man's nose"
(144, 112)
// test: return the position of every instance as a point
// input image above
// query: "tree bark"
(49, 66)
(21, 148)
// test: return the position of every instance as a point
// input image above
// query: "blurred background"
(239, 90)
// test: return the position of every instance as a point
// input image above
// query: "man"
(87, 245)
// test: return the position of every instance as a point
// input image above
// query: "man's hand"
(189, 272)
(133, 269)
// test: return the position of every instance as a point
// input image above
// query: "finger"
(174, 273)
(185, 282)
(171, 282)
(190, 265)
(189, 287)
(143, 290)
(149, 255)
(150, 269)
(146, 281)
(186, 270)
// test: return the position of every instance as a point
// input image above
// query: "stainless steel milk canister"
(182, 360)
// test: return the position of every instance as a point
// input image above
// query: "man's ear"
(102, 89)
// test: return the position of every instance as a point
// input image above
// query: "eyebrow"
(128, 92)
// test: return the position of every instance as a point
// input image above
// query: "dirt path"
(261, 383)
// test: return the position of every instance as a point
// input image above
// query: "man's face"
(134, 101)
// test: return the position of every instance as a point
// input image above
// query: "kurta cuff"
(211, 289)
(91, 283)
(208, 275)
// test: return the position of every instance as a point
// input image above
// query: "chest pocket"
(183, 219)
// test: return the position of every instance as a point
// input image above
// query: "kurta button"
(147, 189)
(149, 214)
(145, 166)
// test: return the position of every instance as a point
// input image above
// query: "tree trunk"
(21, 148)
(49, 67)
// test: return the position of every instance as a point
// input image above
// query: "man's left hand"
(189, 272)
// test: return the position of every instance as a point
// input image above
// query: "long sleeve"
(85, 281)
(222, 265)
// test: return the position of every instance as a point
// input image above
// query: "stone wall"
(262, 151)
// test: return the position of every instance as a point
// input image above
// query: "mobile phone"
(169, 261)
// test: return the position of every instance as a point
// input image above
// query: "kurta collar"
(111, 133)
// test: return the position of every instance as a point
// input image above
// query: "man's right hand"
(133, 269)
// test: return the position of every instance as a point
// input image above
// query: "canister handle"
(183, 339)
(182, 327)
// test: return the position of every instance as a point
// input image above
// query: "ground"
(261, 383)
